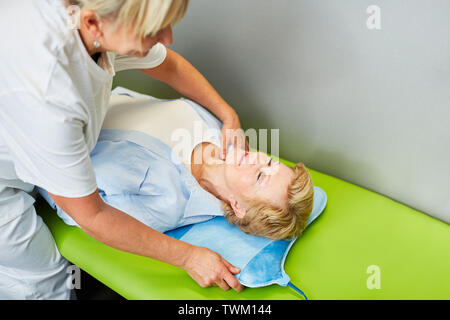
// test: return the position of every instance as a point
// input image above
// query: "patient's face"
(255, 174)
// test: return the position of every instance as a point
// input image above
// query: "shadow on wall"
(322, 158)
(140, 82)
(342, 164)
(255, 119)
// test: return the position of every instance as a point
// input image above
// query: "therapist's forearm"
(187, 80)
(121, 231)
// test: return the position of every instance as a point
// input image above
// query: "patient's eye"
(260, 173)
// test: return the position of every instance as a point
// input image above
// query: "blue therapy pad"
(260, 259)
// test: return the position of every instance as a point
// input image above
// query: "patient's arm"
(121, 231)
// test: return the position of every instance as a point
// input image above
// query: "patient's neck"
(206, 167)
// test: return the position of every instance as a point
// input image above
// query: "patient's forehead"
(274, 190)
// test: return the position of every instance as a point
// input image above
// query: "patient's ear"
(238, 209)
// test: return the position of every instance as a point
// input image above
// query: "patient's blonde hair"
(265, 220)
(146, 17)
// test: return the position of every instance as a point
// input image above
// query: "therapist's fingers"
(233, 282)
(231, 127)
(230, 267)
(227, 139)
(223, 285)
(236, 137)
(224, 148)
(244, 144)
(230, 279)
(209, 268)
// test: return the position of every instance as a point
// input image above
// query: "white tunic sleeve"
(153, 59)
(46, 144)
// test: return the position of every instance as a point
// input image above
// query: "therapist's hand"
(208, 268)
(232, 133)
(182, 76)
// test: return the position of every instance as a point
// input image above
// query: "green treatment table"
(332, 260)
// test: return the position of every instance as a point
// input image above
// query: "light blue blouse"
(138, 174)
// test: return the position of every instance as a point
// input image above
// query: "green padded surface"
(357, 229)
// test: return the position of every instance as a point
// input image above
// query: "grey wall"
(371, 107)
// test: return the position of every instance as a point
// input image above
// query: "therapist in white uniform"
(55, 86)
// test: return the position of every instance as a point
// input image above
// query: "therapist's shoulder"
(37, 43)
(33, 28)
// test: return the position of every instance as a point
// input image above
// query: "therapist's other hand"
(208, 268)
(232, 133)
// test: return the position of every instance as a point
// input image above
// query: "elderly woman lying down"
(158, 161)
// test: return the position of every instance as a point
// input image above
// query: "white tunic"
(53, 97)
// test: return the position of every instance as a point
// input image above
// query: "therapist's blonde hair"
(265, 220)
(146, 17)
